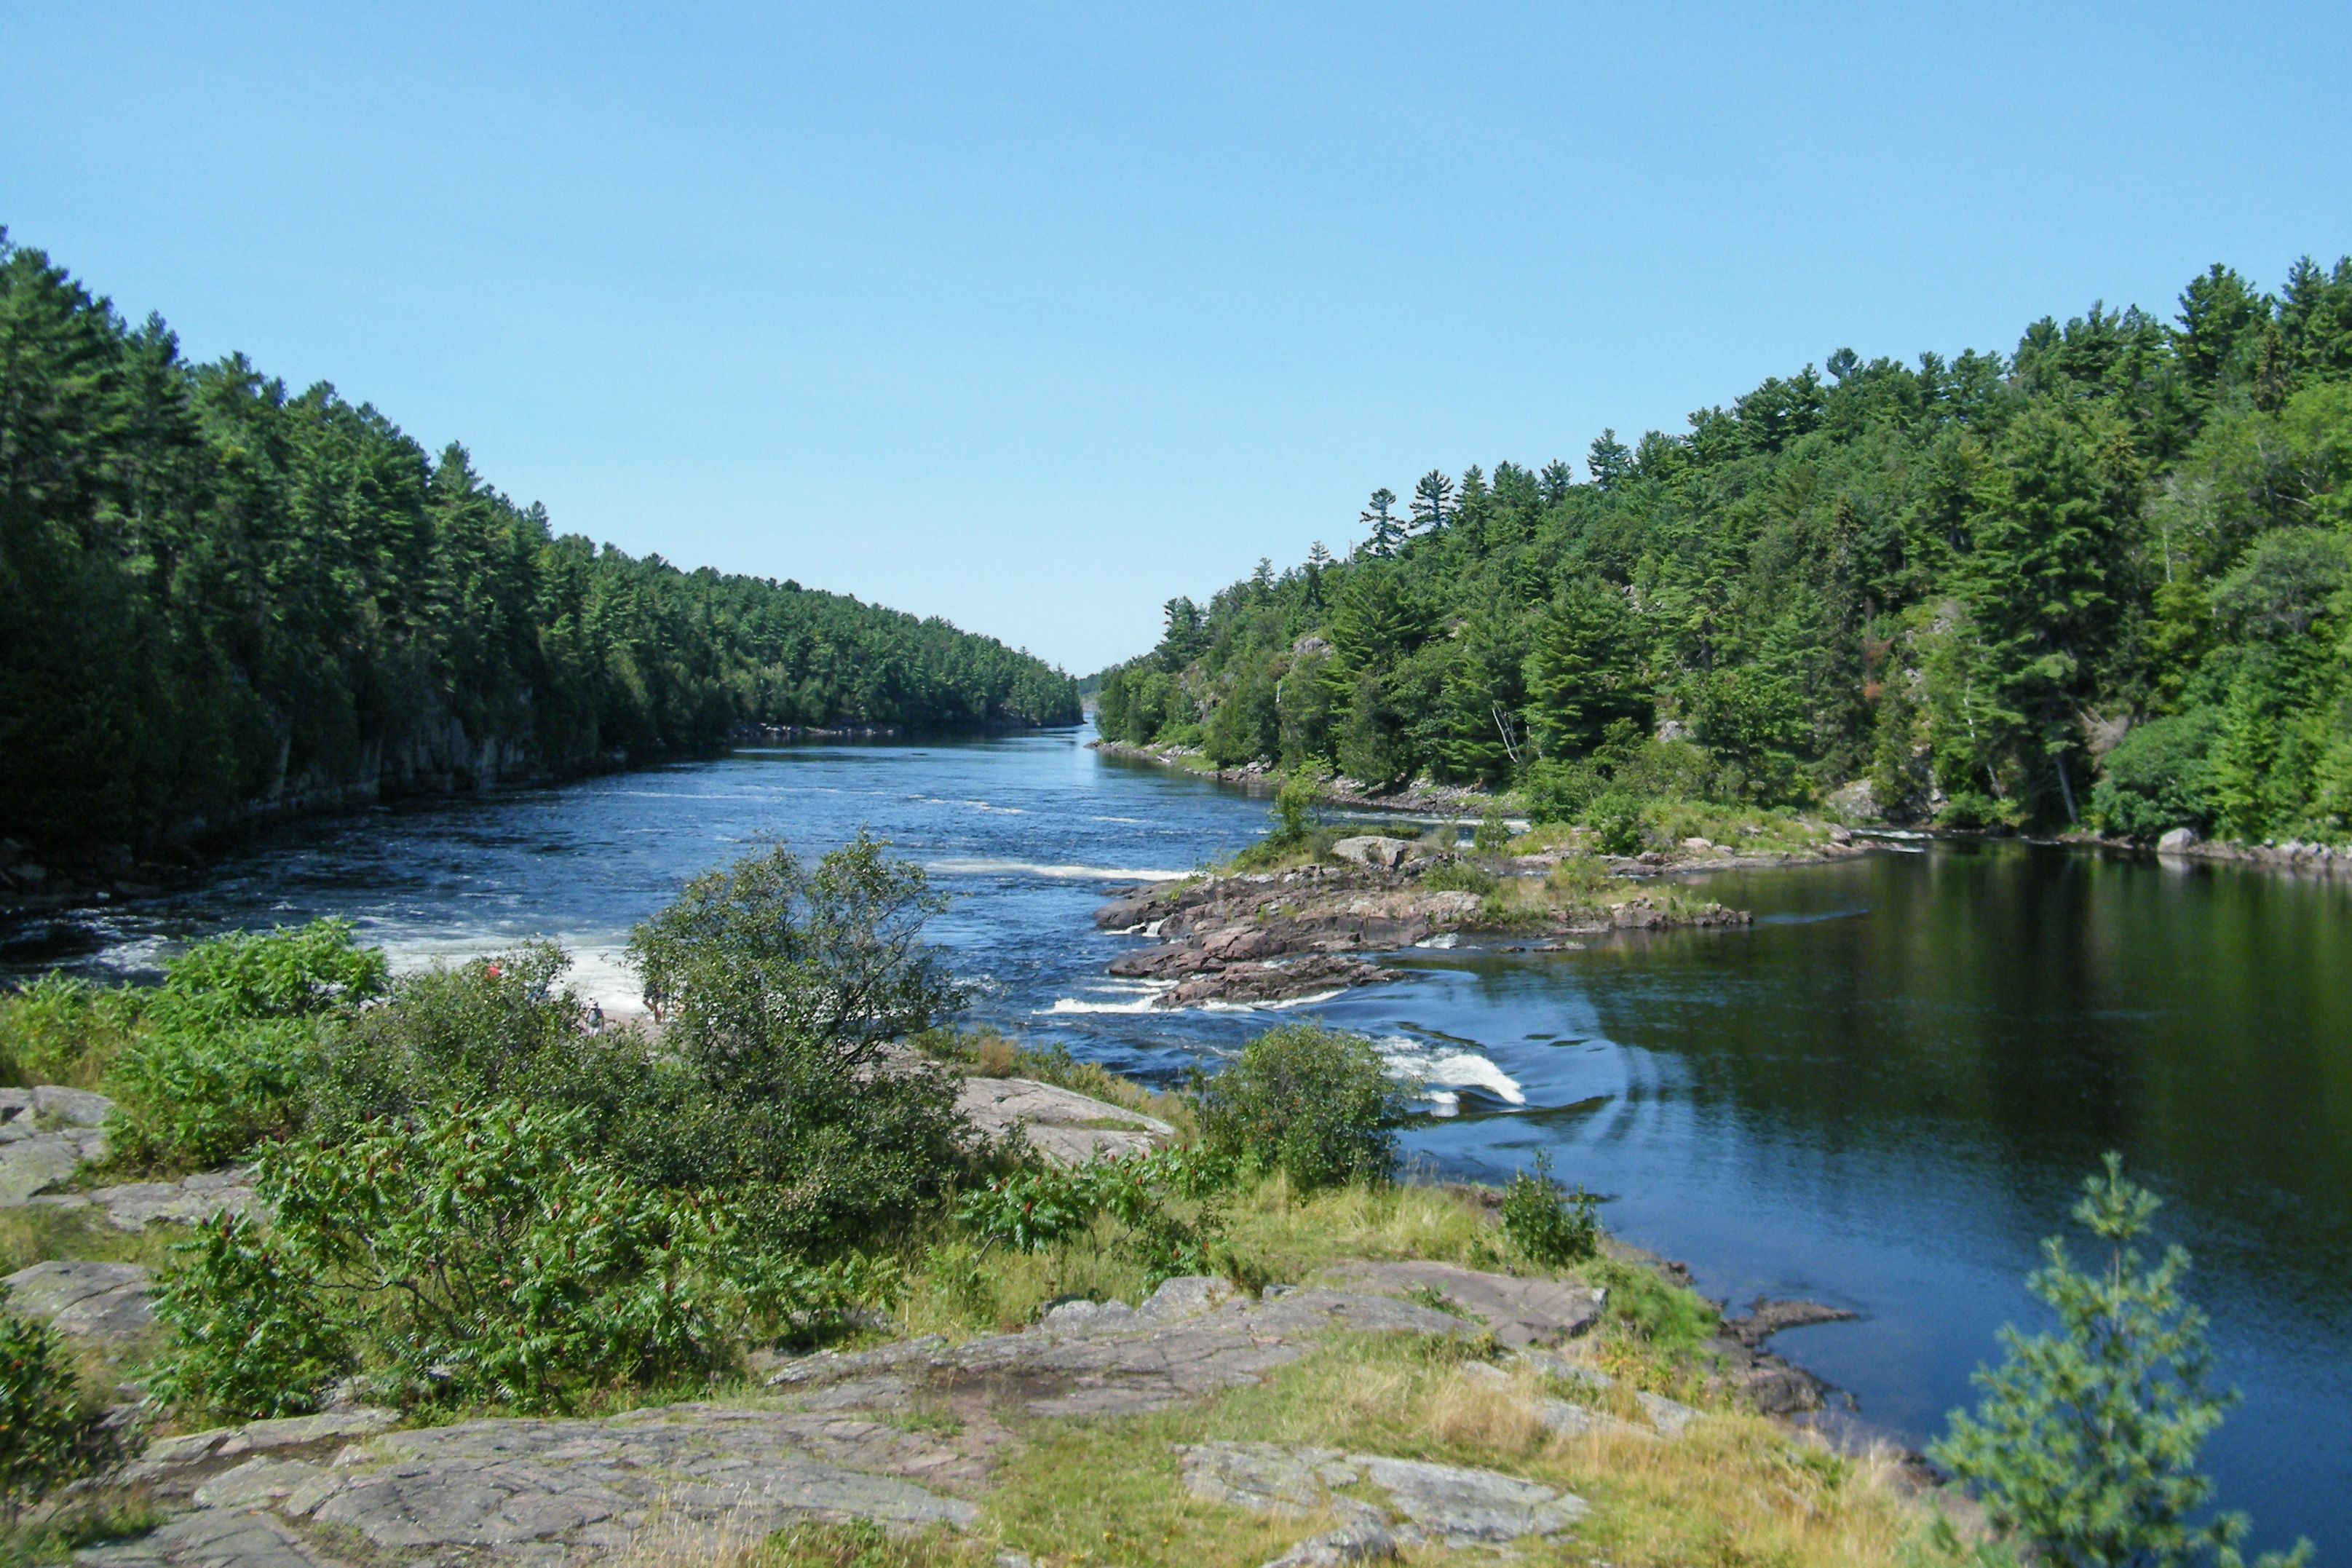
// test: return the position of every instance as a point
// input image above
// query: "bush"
(1493, 834)
(287, 972)
(1615, 819)
(191, 1093)
(491, 1029)
(2158, 778)
(59, 1029)
(1458, 877)
(785, 988)
(482, 1255)
(1312, 1103)
(252, 1334)
(229, 1041)
(1549, 1227)
(2084, 1449)
(1559, 791)
(49, 1432)
(1031, 1209)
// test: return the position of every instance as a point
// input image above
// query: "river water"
(1882, 1095)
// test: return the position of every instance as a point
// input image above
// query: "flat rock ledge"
(47, 1133)
(1062, 1125)
(829, 1441)
(103, 1301)
(1423, 1503)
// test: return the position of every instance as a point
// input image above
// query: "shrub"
(285, 972)
(59, 1029)
(193, 1091)
(1493, 834)
(785, 987)
(1458, 877)
(1559, 791)
(1615, 819)
(1548, 1226)
(230, 1039)
(2084, 1449)
(2158, 777)
(252, 1334)
(1294, 809)
(1312, 1103)
(49, 1432)
(480, 1255)
(1032, 1208)
(492, 1029)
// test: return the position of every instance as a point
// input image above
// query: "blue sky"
(1033, 316)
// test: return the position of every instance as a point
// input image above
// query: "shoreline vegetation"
(224, 600)
(343, 1263)
(2101, 584)
(1468, 803)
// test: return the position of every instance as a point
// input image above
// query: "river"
(1882, 1095)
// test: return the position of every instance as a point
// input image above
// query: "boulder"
(1374, 850)
(2178, 841)
(1519, 1311)
(1067, 1127)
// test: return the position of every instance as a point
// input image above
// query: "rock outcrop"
(46, 1134)
(1063, 1126)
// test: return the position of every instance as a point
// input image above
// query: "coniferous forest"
(217, 595)
(2106, 580)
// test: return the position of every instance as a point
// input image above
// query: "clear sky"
(1033, 316)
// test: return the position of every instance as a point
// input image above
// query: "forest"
(217, 595)
(2103, 581)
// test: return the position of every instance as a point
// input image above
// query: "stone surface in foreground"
(1443, 1504)
(336, 1488)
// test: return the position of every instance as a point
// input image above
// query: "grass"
(36, 1235)
(1739, 1490)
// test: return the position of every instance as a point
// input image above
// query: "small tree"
(1294, 809)
(1315, 1103)
(2084, 1449)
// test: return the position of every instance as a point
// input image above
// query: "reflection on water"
(1880, 1095)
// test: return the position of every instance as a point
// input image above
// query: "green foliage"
(782, 984)
(1294, 809)
(225, 1046)
(196, 1091)
(1314, 1103)
(286, 973)
(2159, 777)
(1549, 1226)
(50, 1431)
(1493, 834)
(2084, 1449)
(252, 1334)
(1616, 821)
(1944, 576)
(481, 1255)
(213, 590)
(61, 1029)
(1032, 1208)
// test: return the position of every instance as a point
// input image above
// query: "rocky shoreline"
(1254, 938)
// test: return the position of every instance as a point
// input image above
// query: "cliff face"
(435, 753)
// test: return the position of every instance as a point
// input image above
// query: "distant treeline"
(215, 594)
(2107, 578)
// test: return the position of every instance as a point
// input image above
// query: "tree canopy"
(215, 593)
(1974, 581)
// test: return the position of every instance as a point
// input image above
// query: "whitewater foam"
(990, 867)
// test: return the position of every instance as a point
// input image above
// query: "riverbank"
(1060, 1403)
(1467, 803)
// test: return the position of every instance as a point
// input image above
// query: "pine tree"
(2084, 1449)
(1432, 502)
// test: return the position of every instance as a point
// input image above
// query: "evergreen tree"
(2085, 1451)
